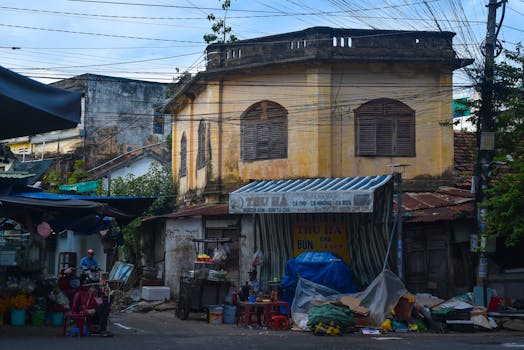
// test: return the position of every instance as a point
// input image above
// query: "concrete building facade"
(318, 103)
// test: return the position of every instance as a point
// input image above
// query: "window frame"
(264, 132)
(385, 128)
(158, 127)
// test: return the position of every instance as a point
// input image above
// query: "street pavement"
(162, 330)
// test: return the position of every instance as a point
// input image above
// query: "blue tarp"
(30, 107)
(323, 268)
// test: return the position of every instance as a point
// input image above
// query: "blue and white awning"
(320, 195)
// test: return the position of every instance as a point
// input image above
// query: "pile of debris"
(386, 306)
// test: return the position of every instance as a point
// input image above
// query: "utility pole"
(485, 141)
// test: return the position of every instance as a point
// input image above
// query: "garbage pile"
(386, 306)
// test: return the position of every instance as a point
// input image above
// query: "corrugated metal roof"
(445, 204)
(318, 184)
(202, 210)
(15, 174)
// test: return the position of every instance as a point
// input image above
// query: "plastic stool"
(74, 332)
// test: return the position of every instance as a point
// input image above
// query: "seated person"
(89, 268)
(99, 309)
(88, 262)
(253, 282)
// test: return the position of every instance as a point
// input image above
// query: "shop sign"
(321, 237)
(301, 202)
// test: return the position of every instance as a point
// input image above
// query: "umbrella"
(28, 107)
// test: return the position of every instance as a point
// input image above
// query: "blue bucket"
(17, 317)
(230, 314)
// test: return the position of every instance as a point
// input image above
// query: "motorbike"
(90, 275)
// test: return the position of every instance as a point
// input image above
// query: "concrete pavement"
(162, 330)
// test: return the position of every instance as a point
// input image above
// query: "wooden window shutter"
(385, 136)
(366, 131)
(278, 143)
(248, 150)
(405, 136)
(385, 127)
(264, 132)
(262, 143)
(183, 156)
(201, 153)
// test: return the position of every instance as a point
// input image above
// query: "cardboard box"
(360, 312)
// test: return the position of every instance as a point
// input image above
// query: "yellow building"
(321, 102)
(318, 103)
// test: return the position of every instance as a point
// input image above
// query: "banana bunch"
(331, 330)
(203, 257)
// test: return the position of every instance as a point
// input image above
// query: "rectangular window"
(158, 123)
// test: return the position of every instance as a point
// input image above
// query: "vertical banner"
(321, 237)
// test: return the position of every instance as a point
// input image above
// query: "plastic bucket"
(57, 318)
(216, 314)
(38, 318)
(230, 314)
(17, 317)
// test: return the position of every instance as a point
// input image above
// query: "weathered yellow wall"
(18, 147)
(320, 101)
(425, 89)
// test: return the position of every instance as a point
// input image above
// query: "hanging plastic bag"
(258, 258)
(219, 255)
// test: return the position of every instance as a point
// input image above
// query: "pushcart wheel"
(182, 310)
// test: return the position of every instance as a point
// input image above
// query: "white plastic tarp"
(380, 297)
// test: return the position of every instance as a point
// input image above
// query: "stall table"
(261, 313)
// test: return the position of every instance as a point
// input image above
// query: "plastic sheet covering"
(324, 268)
(308, 292)
(380, 297)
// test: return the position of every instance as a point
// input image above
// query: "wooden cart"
(199, 290)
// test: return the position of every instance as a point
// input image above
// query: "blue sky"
(150, 39)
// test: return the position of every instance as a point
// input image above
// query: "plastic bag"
(61, 299)
(219, 255)
(258, 258)
(380, 297)
(308, 292)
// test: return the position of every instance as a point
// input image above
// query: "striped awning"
(319, 195)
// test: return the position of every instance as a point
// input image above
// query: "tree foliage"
(221, 33)
(156, 182)
(505, 205)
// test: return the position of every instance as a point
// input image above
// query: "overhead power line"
(99, 34)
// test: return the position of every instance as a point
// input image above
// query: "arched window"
(201, 154)
(183, 156)
(385, 128)
(264, 132)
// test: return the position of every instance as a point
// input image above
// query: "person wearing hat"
(88, 262)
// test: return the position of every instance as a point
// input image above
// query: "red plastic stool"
(279, 322)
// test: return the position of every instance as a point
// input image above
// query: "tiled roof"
(464, 154)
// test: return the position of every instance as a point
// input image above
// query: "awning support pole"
(400, 263)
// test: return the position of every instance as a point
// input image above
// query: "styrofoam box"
(156, 293)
